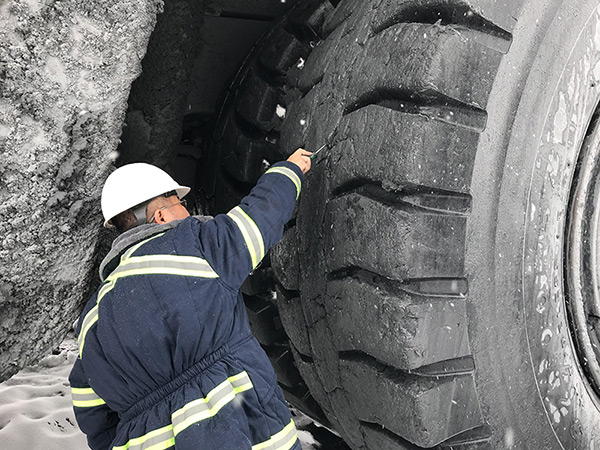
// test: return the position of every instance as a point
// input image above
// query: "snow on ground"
(36, 412)
(35, 406)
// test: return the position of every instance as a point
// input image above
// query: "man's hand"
(302, 159)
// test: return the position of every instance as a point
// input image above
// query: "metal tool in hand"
(315, 153)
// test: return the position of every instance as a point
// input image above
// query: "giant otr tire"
(438, 287)
(424, 283)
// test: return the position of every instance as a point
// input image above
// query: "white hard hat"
(133, 184)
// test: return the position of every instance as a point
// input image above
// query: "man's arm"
(235, 243)
(93, 415)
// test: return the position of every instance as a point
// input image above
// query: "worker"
(166, 355)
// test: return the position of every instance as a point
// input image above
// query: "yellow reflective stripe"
(159, 439)
(189, 414)
(240, 382)
(82, 391)
(88, 403)
(132, 249)
(288, 173)
(182, 259)
(90, 319)
(284, 440)
(92, 316)
(188, 266)
(205, 408)
(104, 289)
(251, 233)
(85, 398)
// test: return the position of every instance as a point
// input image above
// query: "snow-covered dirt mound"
(66, 70)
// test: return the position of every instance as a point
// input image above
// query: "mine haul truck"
(437, 286)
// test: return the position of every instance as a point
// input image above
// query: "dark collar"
(132, 237)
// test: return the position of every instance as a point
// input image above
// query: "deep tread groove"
(236, 184)
(246, 16)
(428, 103)
(287, 294)
(459, 16)
(271, 76)
(251, 131)
(318, 81)
(470, 437)
(457, 366)
(454, 367)
(291, 224)
(302, 33)
(402, 443)
(305, 358)
(477, 435)
(414, 199)
(388, 198)
(311, 407)
(430, 287)
(397, 376)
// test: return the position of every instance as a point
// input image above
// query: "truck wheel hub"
(582, 268)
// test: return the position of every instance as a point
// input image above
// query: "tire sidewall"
(529, 377)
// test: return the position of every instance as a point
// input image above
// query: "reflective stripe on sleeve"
(85, 398)
(251, 233)
(284, 440)
(186, 266)
(288, 173)
(191, 413)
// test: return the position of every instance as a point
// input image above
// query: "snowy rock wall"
(66, 68)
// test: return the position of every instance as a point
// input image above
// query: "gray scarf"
(133, 236)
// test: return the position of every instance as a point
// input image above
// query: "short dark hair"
(124, 221)
(127, 219)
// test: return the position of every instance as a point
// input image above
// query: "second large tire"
(243, 146)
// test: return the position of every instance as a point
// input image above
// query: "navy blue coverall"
(166, 355)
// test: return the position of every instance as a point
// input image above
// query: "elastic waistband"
(167, 389)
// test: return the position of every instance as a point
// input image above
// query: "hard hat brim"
(182, 191)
